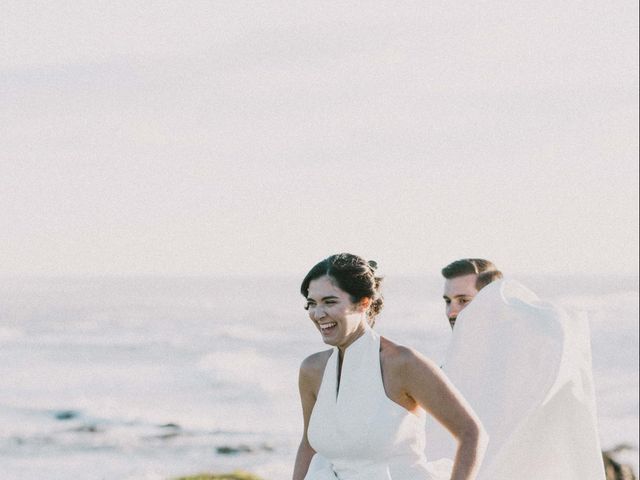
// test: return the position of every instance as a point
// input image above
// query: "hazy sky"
(259, 137)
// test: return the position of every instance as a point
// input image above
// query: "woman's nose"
(318, 313)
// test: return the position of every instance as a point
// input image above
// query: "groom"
(463, 279)
(524, 365)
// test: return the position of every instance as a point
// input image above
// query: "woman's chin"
(329, 338)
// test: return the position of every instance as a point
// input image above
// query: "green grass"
(224, 476)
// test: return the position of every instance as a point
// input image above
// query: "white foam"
(8, 334)
(245, 369)
(133, 357)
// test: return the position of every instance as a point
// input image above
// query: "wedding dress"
(358, 432)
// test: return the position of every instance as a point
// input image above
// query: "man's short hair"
(485, 278)
(486, 271)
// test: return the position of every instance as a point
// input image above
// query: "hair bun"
(373, 264)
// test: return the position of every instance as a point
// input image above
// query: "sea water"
(152, 378)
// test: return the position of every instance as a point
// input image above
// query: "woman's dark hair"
(352, 274)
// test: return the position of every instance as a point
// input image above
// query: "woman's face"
(339, 320)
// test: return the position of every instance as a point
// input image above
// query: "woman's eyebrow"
(330, 297)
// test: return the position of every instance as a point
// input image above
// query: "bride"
(364, 400)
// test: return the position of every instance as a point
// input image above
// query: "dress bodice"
(357, 428)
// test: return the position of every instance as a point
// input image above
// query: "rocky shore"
(614, 463)
(613, 468)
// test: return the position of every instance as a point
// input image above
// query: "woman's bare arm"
(429, 387)
(309, 381)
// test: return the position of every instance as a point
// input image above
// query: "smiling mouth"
(326, 328)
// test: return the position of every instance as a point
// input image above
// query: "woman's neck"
(357, 333)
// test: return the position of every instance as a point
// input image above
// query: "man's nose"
(452, 310)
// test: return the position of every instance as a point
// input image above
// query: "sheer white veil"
(524, 366)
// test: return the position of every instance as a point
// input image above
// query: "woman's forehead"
(325, 286)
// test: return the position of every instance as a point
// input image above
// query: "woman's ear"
(364, 304)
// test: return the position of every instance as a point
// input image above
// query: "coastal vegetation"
(614, 471)
(225, 476)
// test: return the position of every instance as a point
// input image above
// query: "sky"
(240, 138)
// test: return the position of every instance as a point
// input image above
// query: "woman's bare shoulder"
(313, 366)
(401, 358)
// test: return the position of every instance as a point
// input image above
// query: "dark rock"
(35, 440)
(171, 425)
(173, 430)
(615, 470)
(66, 415)
(86, 429)
(227, 450)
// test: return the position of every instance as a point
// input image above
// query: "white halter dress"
(357, 431)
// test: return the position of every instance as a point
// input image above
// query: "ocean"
(155, 377)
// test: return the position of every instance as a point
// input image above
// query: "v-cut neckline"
(340, 364)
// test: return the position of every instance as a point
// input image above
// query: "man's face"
(458, 292)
